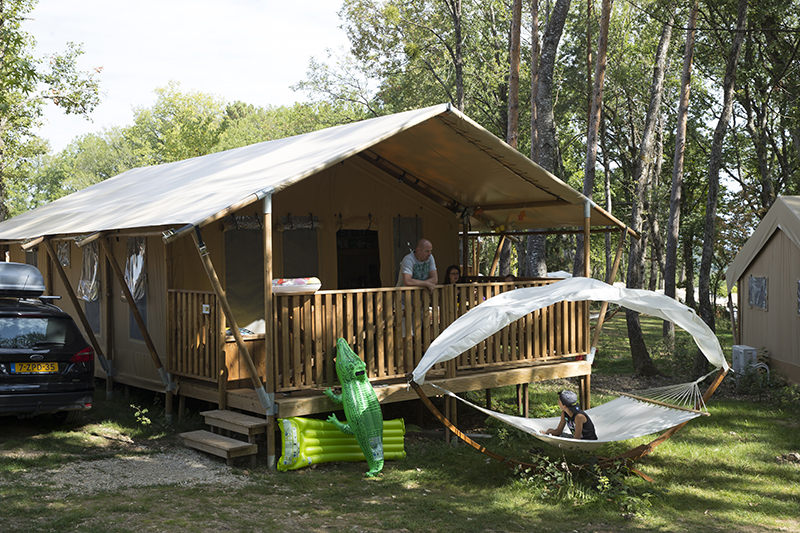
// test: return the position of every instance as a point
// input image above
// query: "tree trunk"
(458, 61)
(548, 145)
(673, 227)
(512, 134)
(642, 363)
(715, 163)
(594, 122)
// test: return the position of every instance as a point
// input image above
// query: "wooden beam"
(406, 178)
(226, 309)
(497, 254)
(519, 233)
(48, 246)
(522, 205)
(137, 316)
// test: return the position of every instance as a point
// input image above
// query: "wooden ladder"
(224, 446)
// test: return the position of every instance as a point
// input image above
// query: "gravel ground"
(181, 467)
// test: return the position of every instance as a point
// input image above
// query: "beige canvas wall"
(357, 190)
(778, 328)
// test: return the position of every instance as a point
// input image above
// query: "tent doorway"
(358, 259)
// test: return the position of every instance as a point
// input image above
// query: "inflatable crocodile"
(361, 407)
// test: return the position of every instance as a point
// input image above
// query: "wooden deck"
(314, 402)
(390, 328)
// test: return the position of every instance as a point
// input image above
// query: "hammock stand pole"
(449, 425)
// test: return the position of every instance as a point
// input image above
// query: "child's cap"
(568, 398)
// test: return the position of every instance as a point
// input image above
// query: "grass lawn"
(719, 473)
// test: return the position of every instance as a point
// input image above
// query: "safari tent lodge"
(170, 268)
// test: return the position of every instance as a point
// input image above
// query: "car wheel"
(66, 417)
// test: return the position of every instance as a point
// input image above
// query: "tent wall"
(366, 198)
(778, 327)
(131, 359)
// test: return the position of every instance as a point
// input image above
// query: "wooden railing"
(195, 338)
(390, 328)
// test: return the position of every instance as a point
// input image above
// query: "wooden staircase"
(225, 446)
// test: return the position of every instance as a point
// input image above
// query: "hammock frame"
(627, 458)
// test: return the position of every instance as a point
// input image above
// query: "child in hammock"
(574, 418)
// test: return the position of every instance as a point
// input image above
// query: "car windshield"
(40, 332)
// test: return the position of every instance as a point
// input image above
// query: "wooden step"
(219, 445)
(237, 422)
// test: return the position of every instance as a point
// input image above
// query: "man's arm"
(433, 277)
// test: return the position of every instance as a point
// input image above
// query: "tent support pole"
(497, 254)
(269, 331)
(464, 246)
(166, 379)
(228, 312)
(585, 382)
(48, 246)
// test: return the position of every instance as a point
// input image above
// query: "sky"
(248, 50)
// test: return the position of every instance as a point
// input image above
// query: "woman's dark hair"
(450, 269)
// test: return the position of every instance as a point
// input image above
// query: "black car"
(46, 366)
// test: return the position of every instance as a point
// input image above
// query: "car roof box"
(20, 280)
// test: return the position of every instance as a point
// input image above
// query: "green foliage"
(558, 480)
(140, 414)
(26, 83)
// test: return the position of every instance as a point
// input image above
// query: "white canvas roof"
(439, 150)
(784, 215)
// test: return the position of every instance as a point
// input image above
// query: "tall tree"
(715, 163)
(26, 83)
(642, 363)
(596, 106)
(535, 246)
(676, 192)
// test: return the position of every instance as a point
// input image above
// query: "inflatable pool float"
(308, 441)
(296, 285)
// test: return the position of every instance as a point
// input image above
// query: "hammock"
(620, 419)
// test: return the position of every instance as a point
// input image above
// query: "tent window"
(89, 284)
(757, 292)
(62, 251)
(300, 253)
(244, 275)
(136, 280)
(406, 232)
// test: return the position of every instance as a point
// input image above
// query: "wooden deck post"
(48, 246)
(269, 332)
(169, 386)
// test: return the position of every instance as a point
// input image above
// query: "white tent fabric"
(448, 151)
(620, 419)
(494, 314)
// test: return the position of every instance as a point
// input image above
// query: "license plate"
(34, 368)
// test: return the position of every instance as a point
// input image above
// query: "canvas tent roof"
(436, 150)
(784, 215)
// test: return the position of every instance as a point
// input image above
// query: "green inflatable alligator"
(361, 407)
